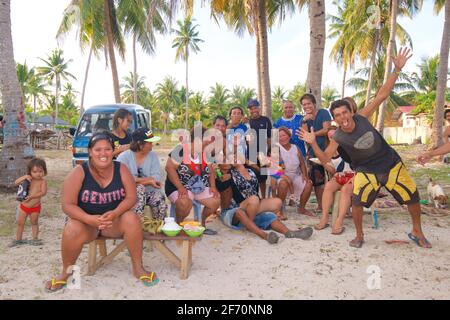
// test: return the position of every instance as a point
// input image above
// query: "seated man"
(241, 206)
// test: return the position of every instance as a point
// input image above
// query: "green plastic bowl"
(196, 233)
(171, 233)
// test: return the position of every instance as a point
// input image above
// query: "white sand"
(239, 265)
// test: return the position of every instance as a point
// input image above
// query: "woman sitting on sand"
(97, 197)
(342, 181)
(144, 165)
(295, 170)
(190, 178)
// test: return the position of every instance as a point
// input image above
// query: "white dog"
(436, 195)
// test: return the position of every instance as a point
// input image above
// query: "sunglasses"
(101, 136)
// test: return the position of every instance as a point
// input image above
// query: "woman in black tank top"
(98, 197)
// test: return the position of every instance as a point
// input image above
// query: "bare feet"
(305, 212)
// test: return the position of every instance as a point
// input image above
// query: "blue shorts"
(263, 220)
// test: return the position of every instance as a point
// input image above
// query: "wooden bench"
(158, 241)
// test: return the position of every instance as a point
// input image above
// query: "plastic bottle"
(218, 173)
(375, 219)
(23, 190)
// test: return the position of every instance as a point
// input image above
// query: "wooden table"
(183, 262)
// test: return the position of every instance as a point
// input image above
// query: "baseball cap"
(142, 134)
(253, 103)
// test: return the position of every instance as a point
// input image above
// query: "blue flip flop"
(417, 239)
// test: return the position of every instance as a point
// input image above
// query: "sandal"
(62, 284)
(16, 243)
(417, 241)
(339, 232)
(325, 226)
(356, 243)
(152, 277)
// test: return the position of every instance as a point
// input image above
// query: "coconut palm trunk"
(389, 53)
(266, 96)
(316, 11)
(83, 91)
(258, 65)
(187, 89)
(110, 45)
(58, 83)
(373, 62)
(34, 108)
(442, 81)
(16, 149)
(344, 78)
(135, 95)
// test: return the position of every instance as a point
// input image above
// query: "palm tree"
(278, 95)
(240, 96)
(167, 98)
(218, 99)
(317, 36)
(24, 75)
(442, 74)
(88, 17)
(16, 149)
(329, 94)
(55, 69)
(427, 78)
(128, 92)
(186, 40)
(296, 93)
(412, 6)
(359, 83)
(141, 19)
(37, 91)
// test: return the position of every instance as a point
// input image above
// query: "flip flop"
(272, 238)
(325, 226)
(152, 277)
(16, 243)
(417, 240)
(339, 232)
(210, 232)
(55, 283)
(356, 243)
(36, 242)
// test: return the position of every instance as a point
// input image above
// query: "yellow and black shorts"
(397, 181)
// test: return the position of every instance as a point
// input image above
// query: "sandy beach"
(237, 264)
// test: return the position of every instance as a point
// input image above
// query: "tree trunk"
(86, 78)
(135, 96)
(438, 118)
(258, 64)
(16, 148)
(55, 119)
(266, 95)
(389, 53)
(34, 108)
(344, 78)
(187, 89)
(373, 61)
(110, 45)
(317, 35)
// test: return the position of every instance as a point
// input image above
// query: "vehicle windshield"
(92, 122)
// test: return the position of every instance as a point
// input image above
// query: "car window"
(93, 122)
(142, 122)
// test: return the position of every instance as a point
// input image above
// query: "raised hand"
(400, 60)
(308, 137)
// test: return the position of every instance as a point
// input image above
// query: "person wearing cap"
(144, 165)
(263, 124)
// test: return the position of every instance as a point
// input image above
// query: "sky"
(224, 57)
